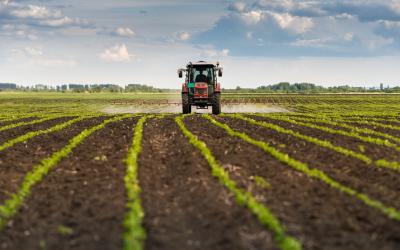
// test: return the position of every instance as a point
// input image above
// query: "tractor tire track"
(307, 207)
(81, 204)
(18, 160)
(185, 207)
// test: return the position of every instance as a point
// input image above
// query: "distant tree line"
(286, 87)
(282, 87)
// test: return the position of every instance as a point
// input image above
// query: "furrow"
(11, 206)
(314, 173)
(263, 213)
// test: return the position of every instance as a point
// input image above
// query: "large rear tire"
(216, 108)
(186, 107)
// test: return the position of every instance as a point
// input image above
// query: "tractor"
(201, 88)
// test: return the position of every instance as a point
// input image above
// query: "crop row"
(322, 143)
(10, 206)
(264, 215)
(352, 134)
(134, 233)
(18, 124)
(341, 124)
(314, 173)
(32, 134)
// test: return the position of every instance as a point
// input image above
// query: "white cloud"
(117, 53)
(33, 52)
(252, 17)
(238, 7)
(294, 24)
(182, 36)
(35, 12)
(212, 54)
(317, 42)
(34, 15)
(125, 32)
(349, 36)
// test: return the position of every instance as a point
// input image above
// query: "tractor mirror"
(180, 73)
(220, 72)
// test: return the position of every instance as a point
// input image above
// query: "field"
(324, 175)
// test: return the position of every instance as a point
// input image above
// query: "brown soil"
(372, 150)
(21, 130)
(389, 131)
(4, 123)
(84, 193)
(186, 208)
(383, 130)
(378, 183)
(318, 215)
(80, 204)
(17, 160)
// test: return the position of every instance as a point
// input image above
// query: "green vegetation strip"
(10, 206)
(134, 233)
(18, 124)
(352, 134)
(315, 173)
(351, 128)
(322, 143)
(263, 214)
(32, 134)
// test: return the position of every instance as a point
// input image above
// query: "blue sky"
(144, 41)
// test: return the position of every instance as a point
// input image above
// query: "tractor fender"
(217, 88)
(185, 88)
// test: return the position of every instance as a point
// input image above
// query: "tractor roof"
(203, 63)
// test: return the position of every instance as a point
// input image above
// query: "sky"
(258, 42)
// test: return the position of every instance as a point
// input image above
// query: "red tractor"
(201, 87)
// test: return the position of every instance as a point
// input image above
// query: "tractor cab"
(201, 87)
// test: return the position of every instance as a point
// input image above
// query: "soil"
(80, 204)
(319, 216)
(374, 151)
(187, 208)
(19, 159)
(21, 130)
(27, 119)
(378, 183)
(85, 194)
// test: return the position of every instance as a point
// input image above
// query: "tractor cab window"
(201, 75)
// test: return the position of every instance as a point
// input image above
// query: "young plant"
(11, 206)
(264, 215)
(134, 233)
(311, 172)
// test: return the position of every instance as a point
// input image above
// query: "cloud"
(18, 31)
(214, 54)
(364, 10)
(36, 15)
(306, 28)
(117, 53)
(35, 56)
(238, 7)
(33, 52)
(182, 36)
(36, 12)
(118, 32)
(125, 32)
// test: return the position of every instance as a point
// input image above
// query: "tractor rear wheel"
(186, 107)
(216, 108)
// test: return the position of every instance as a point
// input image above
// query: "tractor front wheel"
(186, 107)
(216, 108)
